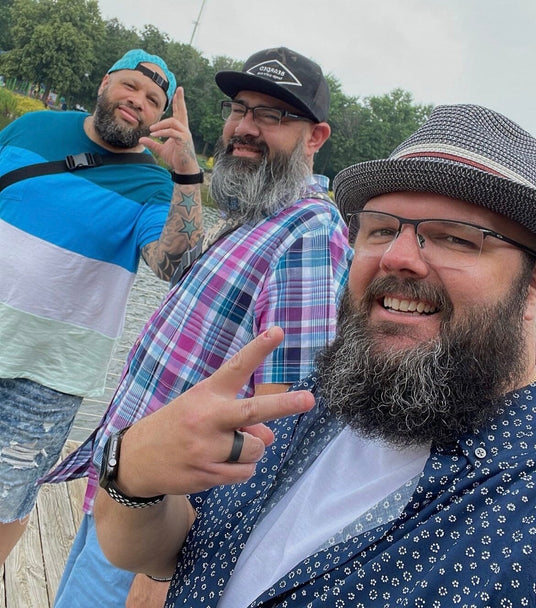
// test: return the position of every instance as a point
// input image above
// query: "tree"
(54, 42)
(117, 41)
(154, 42)
(368, 128)
(5, 25)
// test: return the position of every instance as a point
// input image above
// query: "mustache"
(129, 106)
(411, 289)
(247, 140)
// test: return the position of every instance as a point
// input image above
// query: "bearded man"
(407, 477)
(278, 256)
(70, 245)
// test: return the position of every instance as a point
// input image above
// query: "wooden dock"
(33, 570)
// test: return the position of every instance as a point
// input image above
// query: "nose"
(137, 99)
(246, 125)
(404, 254)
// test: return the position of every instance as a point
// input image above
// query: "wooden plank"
(33, 570)
(25, 583)
(57, 531)
(2, 588)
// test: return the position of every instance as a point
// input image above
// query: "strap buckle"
(83, 160)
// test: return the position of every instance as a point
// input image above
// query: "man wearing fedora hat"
(81, 200)
(279, 257)
(402, 471)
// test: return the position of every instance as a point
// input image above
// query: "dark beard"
(113, 133)
(434, 392)
(250, 190)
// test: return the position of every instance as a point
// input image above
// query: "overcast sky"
(442, 51)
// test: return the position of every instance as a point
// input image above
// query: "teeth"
(408, 305)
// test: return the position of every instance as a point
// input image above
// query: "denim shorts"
(35, 422)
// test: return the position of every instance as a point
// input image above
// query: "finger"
(150, 144)
(236, 448)
(233, 374)
(179, 106)
(253, 412)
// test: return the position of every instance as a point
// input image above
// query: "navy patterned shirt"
(467, 536)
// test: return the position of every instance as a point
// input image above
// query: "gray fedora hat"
(466, 152)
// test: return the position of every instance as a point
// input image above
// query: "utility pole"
(196, 23)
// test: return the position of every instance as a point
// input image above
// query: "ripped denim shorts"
(35, 422)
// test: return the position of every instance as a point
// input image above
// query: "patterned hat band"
(463, 157)
(465, 152)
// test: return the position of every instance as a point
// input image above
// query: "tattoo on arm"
(182, 230)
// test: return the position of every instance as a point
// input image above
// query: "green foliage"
(368, 128)
(54, 42)
(13, 105)
(8, 103)
(27, 104)
(5, 25)
(66, 46)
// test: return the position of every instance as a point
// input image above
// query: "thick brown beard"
(110, 130)
(434, 392)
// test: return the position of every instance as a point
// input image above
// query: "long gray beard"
(434, 392)
(113, 133)
(249, 191)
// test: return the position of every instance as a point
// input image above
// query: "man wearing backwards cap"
(70, 244)
(284, 262)
(407, 477)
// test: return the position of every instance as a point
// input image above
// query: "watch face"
(110, 461)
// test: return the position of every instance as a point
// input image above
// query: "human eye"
(376, 230)
(267, 116)
(236, 111)
(454, 236)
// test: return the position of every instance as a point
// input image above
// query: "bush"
(28, 104)
(13, 105)
(8, 104)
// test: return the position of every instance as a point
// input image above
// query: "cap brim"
(356, 185)
(232, 83)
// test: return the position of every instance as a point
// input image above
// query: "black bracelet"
(187, 178)
(158, 579)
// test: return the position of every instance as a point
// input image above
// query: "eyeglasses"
(263, 116)
(444, 243)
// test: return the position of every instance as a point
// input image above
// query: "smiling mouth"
(411, 306)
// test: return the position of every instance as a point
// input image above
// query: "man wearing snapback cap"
(279, 257)
(402, 471)
(70, 243)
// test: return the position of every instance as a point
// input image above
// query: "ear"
(530, 306)
(318, 135)
(104, 83)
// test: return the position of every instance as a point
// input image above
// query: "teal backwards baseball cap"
(134, 60)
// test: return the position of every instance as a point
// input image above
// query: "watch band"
(108, 475)
(133, 502)
(187, 178)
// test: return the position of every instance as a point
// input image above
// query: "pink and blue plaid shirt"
(288, 270)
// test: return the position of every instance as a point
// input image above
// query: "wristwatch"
(186, 179)
(108, 475)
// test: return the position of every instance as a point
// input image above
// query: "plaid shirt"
(287, 270)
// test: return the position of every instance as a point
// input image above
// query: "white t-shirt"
(350, 477)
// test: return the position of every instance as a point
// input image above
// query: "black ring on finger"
(236, 450)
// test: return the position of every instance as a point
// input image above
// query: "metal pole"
(196, 23)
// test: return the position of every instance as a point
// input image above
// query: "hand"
(184, 447)
(145, 593)
(178, 150)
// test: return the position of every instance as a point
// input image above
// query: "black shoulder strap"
(73, 162)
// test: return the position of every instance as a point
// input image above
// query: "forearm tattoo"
(182, 230)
